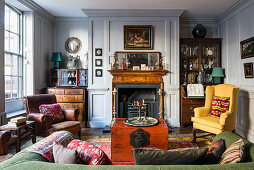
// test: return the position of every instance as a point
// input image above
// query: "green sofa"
(35, 161)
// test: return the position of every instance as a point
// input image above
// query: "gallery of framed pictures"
(138, 37)
(247, 48)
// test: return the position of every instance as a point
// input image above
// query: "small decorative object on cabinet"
(68, 77)
(56, 58)
(199, 31)
(198, 57)
(217, 74)
(68, 97)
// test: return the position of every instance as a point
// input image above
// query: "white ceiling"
(193, 8)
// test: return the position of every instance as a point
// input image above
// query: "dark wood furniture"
(123, 139)
(71, 98)
(44, 124)
(4, 139)
(68, 78)
(196, 55)
(188, 104)
(20, 131)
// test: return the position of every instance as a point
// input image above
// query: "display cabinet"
(197, 57)
(68, 77)
(145, 61)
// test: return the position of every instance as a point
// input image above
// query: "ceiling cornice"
(186, 22)
(70, 19)
(132, 12)
(231, 9)
(36, 8)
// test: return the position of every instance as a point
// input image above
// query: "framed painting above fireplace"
(138, 37)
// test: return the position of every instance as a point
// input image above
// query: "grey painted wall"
(235, 27)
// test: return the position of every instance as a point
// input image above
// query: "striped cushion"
(219, 105)
(234, 154)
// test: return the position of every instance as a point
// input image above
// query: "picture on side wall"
(248, 70)
(98, 62)
(138, 37)
(98, 72)
(98, 51)
(247, 48)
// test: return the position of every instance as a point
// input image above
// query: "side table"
(125, 137)
(29, 126)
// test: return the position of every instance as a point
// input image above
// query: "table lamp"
(217, 74)
(56, 58)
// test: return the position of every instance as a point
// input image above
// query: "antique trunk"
(125, 137)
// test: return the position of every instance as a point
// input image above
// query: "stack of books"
(17, 121)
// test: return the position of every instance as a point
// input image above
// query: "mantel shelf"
(137, 76)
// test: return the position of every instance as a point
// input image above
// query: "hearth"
(129, 95)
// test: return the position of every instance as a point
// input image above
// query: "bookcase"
(197, 55)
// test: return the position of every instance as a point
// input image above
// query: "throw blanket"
(45, 146)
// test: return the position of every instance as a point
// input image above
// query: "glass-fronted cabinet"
(199, 55)
(68, 77)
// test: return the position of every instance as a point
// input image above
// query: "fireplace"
(128, 95)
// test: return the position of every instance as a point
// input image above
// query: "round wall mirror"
(73, 45)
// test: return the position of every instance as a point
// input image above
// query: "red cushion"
(54, 110)
(89, 154)
(219, 105)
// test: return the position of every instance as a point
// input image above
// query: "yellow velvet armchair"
(227, 120)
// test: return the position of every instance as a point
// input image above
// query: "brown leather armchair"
(44, 124)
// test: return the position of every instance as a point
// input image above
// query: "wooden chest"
(122, 137)
(188, 105)
(71, 98)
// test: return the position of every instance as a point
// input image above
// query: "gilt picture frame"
(138, 37)
(248, 70)
(247, 48)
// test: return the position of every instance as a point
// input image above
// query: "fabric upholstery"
(89, 154)
(64, 155)
(4, 139)
(44, 123)
(54, 111)
(219, 105)
(227, 120)
(143, 156)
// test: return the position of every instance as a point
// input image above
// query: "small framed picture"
(98, 72)
(248, 70)
(98, 51)
(98, 62)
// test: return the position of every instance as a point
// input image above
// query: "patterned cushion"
(54, 110)
(89, 154)
(45, 146)
(235, 153)
(214, 152)
(219, 105)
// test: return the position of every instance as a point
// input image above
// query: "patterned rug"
(174, 142)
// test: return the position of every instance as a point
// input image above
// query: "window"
(13, 53)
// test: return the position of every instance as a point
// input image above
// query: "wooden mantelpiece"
(137, 77)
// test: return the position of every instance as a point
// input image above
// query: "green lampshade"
(217, 72)
(56, 56)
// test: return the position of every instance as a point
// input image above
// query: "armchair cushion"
(219, 105)
(54, 111)
(201, 111)
(208, 121)
(71, 114)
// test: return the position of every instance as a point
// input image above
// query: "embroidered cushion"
(89, 154)
(63, 155)
(214, 152)
(235, 153)
(54, 110)
(219, 105)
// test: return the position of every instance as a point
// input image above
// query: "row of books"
(189, 50)
(17, 121)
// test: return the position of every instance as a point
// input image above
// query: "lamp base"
(217, 80)
(56, 64)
